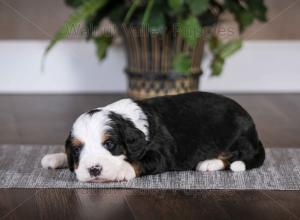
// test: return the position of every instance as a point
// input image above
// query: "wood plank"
(174, 204)
(8, 129)
(103, 204)
(206, 204)
(287, 200)
(63, 204)
(251, 205)
(16, 203)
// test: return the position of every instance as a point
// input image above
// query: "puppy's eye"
(109, 145)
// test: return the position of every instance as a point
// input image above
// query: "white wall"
(72, 67)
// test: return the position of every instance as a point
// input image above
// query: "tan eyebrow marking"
(105, 137)
(76, 142)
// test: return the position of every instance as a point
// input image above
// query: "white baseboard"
(72, 67)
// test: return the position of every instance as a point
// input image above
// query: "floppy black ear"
(68, 151)
(135, 143)
(134, 140)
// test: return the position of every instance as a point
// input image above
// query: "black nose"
(95, 170)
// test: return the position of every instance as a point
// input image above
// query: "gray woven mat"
(20, 168)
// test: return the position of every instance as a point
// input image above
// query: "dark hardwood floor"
(46, 119)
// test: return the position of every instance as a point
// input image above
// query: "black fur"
(127, 137)
(93, 111)
(73, 153)
(186, 129)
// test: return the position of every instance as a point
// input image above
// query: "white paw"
(54, 161)
(126, 172)
(210, 165)
(238, 166)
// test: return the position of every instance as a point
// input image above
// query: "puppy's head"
(103, 140)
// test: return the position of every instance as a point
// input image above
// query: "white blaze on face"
(90, 130)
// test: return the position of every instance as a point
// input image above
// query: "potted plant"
(164, 39)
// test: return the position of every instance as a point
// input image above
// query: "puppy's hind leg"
(54, 161)
(238, 166)
(221, 163)
(246, 155)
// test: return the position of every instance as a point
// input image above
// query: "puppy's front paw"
(126, 172)
(54, 161)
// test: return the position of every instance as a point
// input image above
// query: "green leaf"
(117, 14)
(190, 30)
(74, 3)
(214, 43)
(245, 18)
(246, 11)
(102, 43)
(217, 65)
(147, 12)
(156, 22)
(233, 6)
(181, 63)
(258, 9)
(92, 23)
(197, 7)
(80, 14)
(229, 48)
(221, 52)
(175, 5)
(131, 10)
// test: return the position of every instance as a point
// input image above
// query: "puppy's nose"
(95, 170)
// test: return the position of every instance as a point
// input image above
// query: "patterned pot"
(149, 62)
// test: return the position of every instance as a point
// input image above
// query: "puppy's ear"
(134, 140)
(68, 151)
(135, 143)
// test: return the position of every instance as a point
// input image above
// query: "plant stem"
(147, 12)
(131, 10)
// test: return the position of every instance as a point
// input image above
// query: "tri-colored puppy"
(126, 139)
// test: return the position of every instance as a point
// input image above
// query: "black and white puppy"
(126, 139)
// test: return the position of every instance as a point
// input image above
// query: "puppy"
(126, 139)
